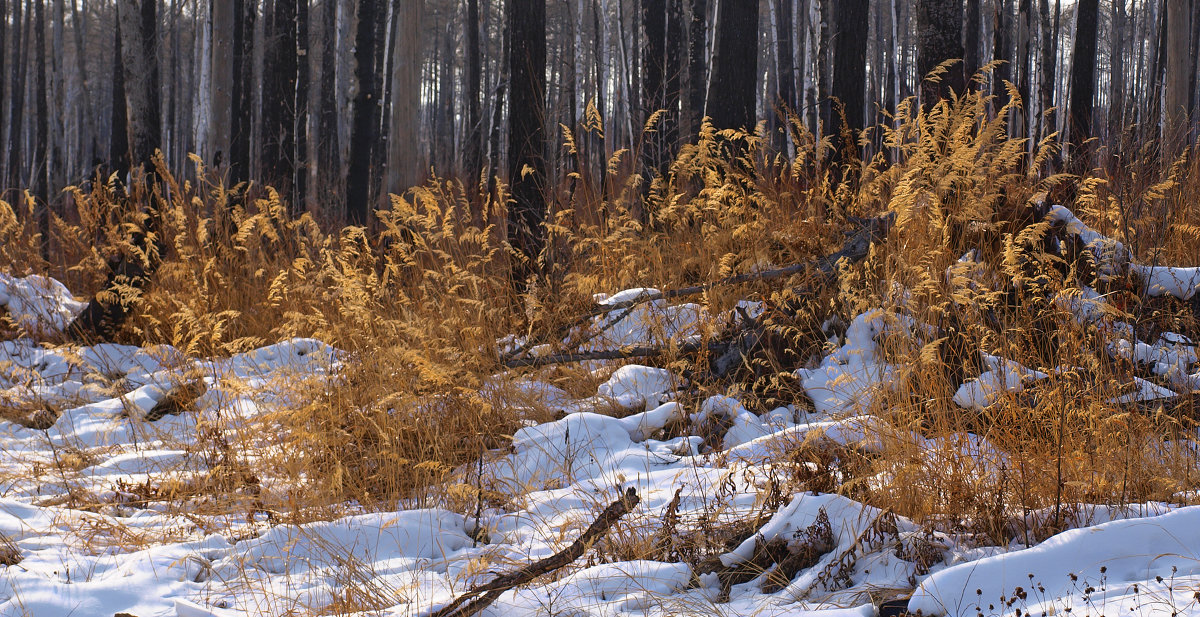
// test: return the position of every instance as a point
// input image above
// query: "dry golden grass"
(418, 302)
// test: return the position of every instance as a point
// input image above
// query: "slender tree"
(971, 36)
(473, 142)
(696, 64)
(300, 105)
(850, 62)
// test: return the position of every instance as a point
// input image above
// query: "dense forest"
(339, 102)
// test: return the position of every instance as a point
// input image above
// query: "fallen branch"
(483, 596)
(855, 249)
(632, 351)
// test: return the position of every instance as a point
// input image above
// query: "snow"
(1120, 561)
(38, 304)
(1183, 283)
(642, 429)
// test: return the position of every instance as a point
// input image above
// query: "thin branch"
(483, 596)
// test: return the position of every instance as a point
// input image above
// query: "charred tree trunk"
(329, 145)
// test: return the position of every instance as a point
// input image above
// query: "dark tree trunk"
(1116, 96)
(674, 67)
(971, 38)
(41, 169)
(139, 52)
(697, 65)
(731, 100)
(1046, 90)
(1002, 73)
(242, 124)
(16, 119)
(300, 105)
(785, 105)
(473, 145)
(3, 91)
(365, 131)
(279, 96)
(1083, 73)
(329, 144)
(118, 151)
(850, 59)
(654, 71)
(939, 32)
(526, 138)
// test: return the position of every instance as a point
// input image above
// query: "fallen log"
(483, 596)
(855, 249)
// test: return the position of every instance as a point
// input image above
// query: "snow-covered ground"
(82, 543)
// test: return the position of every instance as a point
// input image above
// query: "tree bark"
(939, 31)
(473, 143)
(526, 29)
(279, 96)
(300, 116)
(971, 38)
(1083, 74)
(16, 119)
(1177, 77)
(364, 133)
(785, 105)
(221, 19)
(242, 119)
(139, 53)
(118, 152)
(697, 65)
(731, 93)
(403, 170)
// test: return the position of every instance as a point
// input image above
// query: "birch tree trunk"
(139, 54)
(220, 80)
